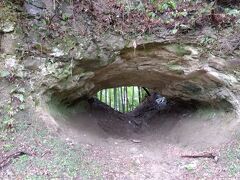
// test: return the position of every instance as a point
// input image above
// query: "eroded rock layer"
(56, 55)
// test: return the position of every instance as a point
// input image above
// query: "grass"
(8, 147)
(232, 157)
(52, 156)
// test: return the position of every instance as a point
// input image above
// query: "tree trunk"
(115, 98)
(122, 99)
(110, 97)
(132, 98)
(126, 99)
(119, 99)
(139, 95)
(105, 100)
(101, 95)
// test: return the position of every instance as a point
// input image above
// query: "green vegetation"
(51, 157)
(231, 156)
(13, 106)
(123, 99)
(7, 13)
(144, 7)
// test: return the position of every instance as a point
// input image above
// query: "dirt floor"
(80, 149)
(155, 151)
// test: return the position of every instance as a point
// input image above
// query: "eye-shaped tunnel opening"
(132, 112)
(187, 103)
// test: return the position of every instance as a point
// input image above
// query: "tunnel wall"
(56, 61)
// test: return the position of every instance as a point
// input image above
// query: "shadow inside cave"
(173, 121)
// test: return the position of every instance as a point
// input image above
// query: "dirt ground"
(155, 151)
(80, 149)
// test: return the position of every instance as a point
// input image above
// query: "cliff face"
(72, 50)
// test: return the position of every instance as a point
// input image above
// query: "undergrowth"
(52, 157)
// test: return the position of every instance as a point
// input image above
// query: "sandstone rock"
(56, 52)
(8, 43)
(7, 27)
(35, 7)
(82, 62)
(33, 63)
(10, 62)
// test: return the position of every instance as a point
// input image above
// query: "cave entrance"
(150, 110)
(135, 112)
(154, 120)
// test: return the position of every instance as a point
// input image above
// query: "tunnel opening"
(153, 117)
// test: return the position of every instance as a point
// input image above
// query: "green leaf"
(233, 12)
(191, 166)
(151, 15)
(21, 90)
(65, 16)
(22, 107)
(4, 73)
(172, 4)
(8, 147)
(175, 30)
(162, 7)
(20, 97)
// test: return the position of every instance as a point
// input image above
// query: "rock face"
(162, 67)
(52, 61)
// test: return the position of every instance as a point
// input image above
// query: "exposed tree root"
(206, 155)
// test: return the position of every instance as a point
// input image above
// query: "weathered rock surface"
(55, 62)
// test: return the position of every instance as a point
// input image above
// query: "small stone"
(136, 140)
(137, 161)
(38, 3)
(8, 43)
(57, 52)
(7, 27)
(35, 7)
(10, 62)
(216, 158)
(32, 10)
(191, 166)
(34, 63)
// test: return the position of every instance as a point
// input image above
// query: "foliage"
(152, 15)
(231, 156)
(7, 13)
(52, 157)
(8, 147)
(14, 105)
(123, 99)
(167, 5)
